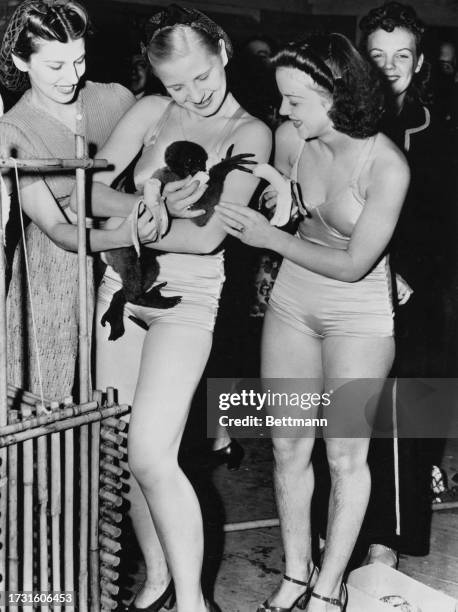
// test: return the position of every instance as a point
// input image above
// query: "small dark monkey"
(183, 158)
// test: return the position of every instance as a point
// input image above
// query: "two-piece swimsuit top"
(172, 265)
(331, 223)
(322, 306)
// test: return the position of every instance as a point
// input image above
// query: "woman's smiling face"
(395, 53)
(55, 69)
(304, 103)
(196, 81)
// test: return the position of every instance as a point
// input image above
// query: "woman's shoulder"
(288, 143)
(17, 127)
(94, 86)
(149, 109)
(386, 149)
(17, 113)
(106, 93)
(155, 103)
(388, 159)
(251, 128)
(286, 136)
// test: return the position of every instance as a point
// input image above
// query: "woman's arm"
(40, 206)
(120, 149)
(186, 237)
(388, 183)
(287, 145)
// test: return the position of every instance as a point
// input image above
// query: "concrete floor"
(243, 567)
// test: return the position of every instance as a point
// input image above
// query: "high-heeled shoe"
(231, 455)
(165, 600)
(303, 599)
(340, 603)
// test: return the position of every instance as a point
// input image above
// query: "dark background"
(118, 23)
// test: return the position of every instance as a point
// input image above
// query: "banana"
(282, 186)
(154, 204)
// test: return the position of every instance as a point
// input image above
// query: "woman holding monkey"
(159, 368)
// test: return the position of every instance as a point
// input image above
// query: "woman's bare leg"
(117, 365)
(347, 358)
(297, 356)
(173, 360)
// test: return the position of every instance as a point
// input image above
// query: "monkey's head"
(185, 158)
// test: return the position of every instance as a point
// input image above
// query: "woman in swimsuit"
(158, 370)
(330, 314)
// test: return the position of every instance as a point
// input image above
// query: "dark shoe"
(231, 455)
(340, 603)
(166, 600)
(301, 602)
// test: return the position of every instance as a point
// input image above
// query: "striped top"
(29, 131)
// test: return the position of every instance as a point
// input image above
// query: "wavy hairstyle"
(175, 30)
(393, 15)
(340, 72)
(33, 22)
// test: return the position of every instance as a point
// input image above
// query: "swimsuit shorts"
(198, 279)
(320, 306)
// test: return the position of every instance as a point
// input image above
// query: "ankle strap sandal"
(340, 603)
(301, 602)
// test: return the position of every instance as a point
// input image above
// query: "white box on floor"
(358, 601)
(378, 580)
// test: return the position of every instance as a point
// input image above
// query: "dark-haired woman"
(158, 369)
(43, 52)
(398, 517)
(330, 314)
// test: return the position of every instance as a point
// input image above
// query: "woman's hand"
(404, 290)
(146, 228)
(249, 226)
(268, 200)
(180, 195)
